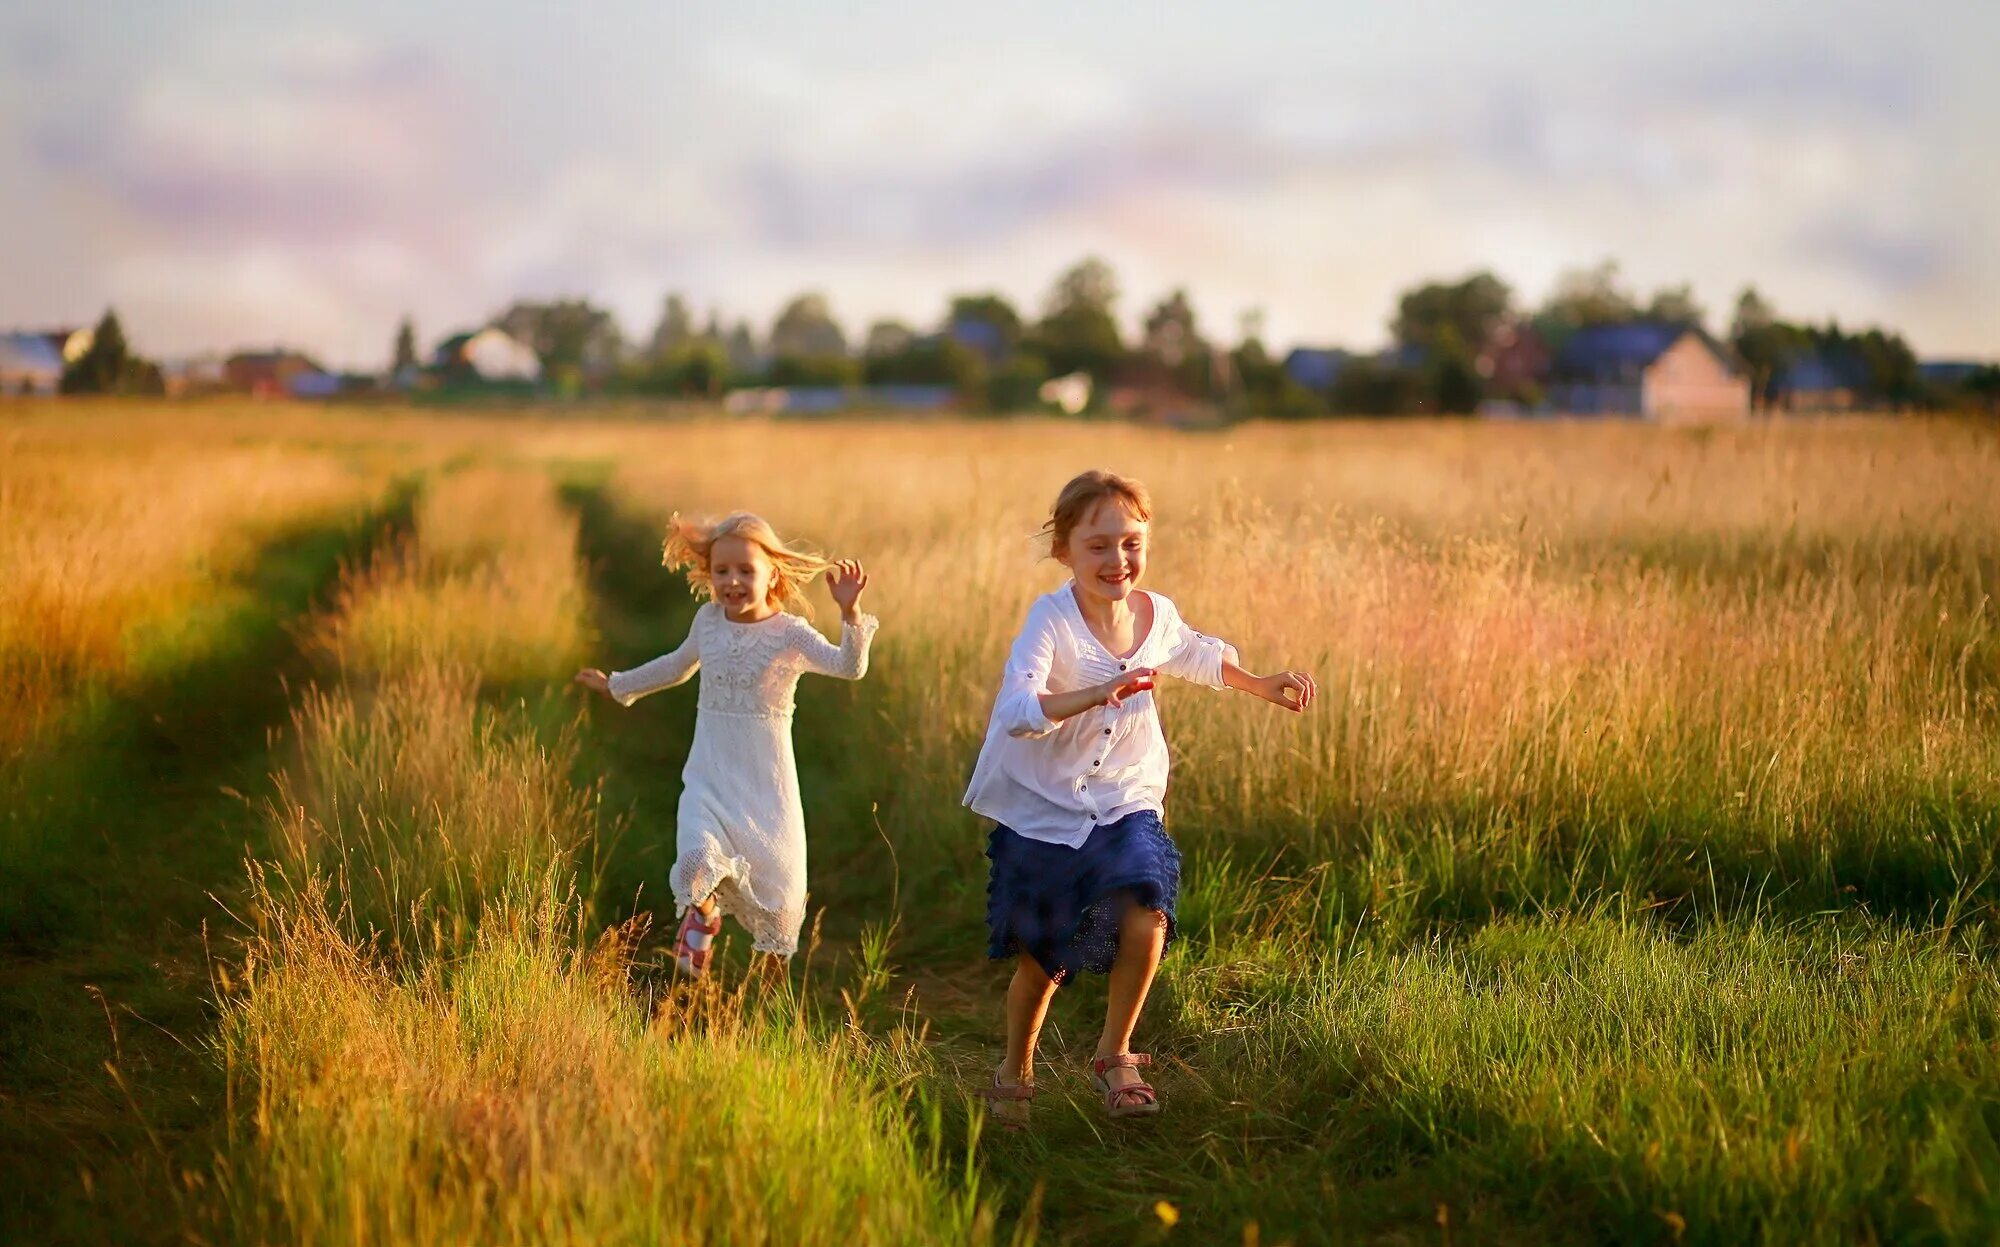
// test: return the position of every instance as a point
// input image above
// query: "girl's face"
(742, 575)
(1106, 551)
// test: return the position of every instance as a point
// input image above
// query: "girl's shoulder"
(1164, 609)
(1047, 610)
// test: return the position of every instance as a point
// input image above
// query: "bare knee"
(1143, 922)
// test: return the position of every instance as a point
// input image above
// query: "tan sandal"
(1138, 1099)
(996, 1093)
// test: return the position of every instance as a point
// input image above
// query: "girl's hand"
(1130, 684)
(845, 580)
(1294, 690)
(595, 680)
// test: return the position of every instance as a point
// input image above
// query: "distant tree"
(1471, 309)
(1452, 374)
(405, 358)
(935, 360)
(1676, 305)
(1583, 298)
(674, 328)
(814, 370)
(992, 311)
(575, 340)
(887, 338)
(1171, 335)
(1984, 386)
(806, 329)
(1078, 330)
(740, 345)
(110, 367)
(1888, 365)
(1373, 387)
(1765, 344)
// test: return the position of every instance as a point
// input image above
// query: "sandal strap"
(692, 920)
(1124, 1060)
(1020, 1091)
(1137, 1088)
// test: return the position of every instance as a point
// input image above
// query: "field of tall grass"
(444, 1039)
(1633, 880)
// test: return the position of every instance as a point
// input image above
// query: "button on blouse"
(1055, 781)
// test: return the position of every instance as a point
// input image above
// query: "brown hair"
(1081, 496)
(792, 569)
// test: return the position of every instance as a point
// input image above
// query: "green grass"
(115, 844)
(429, 1039)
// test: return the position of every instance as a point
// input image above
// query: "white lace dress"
(742, 832)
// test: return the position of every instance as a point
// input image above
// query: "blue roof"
(314, 385)
(824, 398)
(1316, 368)
(1818, 372)
(1948, 371)
(29, 352)
(980, 335)
(1616, 352)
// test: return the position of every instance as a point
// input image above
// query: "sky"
(241, 173)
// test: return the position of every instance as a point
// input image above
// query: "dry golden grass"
(490, 583)
(436, 1047)
(106, 550)
(1778, 621)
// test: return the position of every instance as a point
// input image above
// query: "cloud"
(316, 182)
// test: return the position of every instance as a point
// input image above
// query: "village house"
(1316, 368)
(268, 374)
(29, 364)
(1673, 374)
(489, 356)
(1514, 363)
(1817, 382)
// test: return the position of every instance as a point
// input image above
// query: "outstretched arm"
(1294, 690)
(626, 687)
(848, 660)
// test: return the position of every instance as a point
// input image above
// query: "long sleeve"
(846, 661)
(663, 672)
(1191, 656)
(1026, 677)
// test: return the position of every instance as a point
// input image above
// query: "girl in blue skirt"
(1074, 775)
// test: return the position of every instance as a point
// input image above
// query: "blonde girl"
(1073, 774)
(741, 837)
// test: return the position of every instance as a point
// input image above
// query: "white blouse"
(1056, 781)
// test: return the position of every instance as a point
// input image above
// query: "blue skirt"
(1062, 906)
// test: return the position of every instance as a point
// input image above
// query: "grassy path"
(107, 1089)
(1086, 1179)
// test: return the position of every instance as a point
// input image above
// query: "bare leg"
(1028, 998)
(1142, 937)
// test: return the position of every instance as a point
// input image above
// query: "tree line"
(1446, 335)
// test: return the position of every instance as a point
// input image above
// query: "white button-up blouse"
(1056, 781)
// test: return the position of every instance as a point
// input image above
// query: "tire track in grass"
(106, 1090)
(641, 610)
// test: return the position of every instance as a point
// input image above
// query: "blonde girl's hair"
(1082, 495)
(689, 541)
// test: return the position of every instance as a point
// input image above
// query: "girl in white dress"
(741, 835)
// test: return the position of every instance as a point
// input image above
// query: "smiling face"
(1106, 551)
(743, 577)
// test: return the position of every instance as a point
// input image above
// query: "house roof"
(272, 359)
(1621, 352)
(1819, 372)
(1316, 368)
(29, 353)
(1948, 371)
(980, 335)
